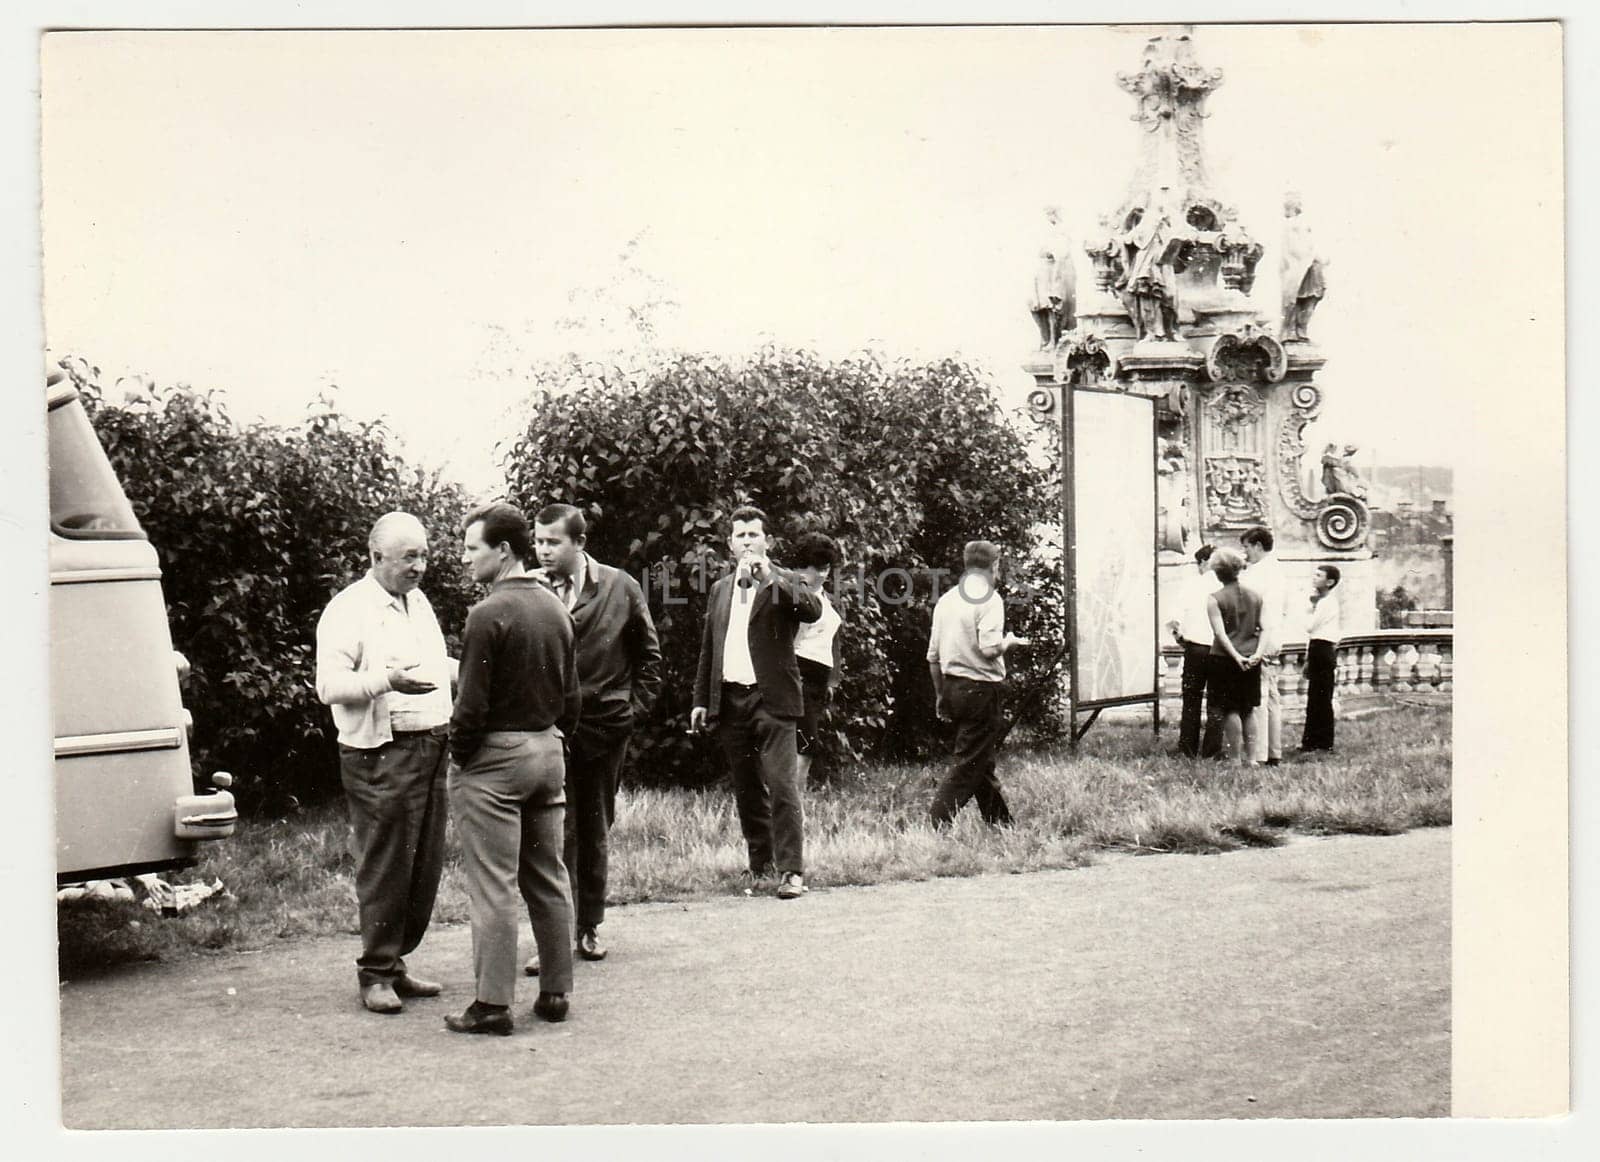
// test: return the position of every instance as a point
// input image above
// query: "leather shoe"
(551, 1006)
(792, 887)
(379, 997)
(588, 945)
(532, 967)
(406, 985)
(479, 1019)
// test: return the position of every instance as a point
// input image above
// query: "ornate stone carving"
(1171, 88)
(1307, 401)
(1342, 522)
(1247, 355)
(1231, 416)
(1106, 255)
(1085, 362)
(1308, 398)
(1240, 254)
(1043, 404)
(1234, 491)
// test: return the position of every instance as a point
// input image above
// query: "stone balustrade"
(1371, 666)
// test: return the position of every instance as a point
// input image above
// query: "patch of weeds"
(1253, 834)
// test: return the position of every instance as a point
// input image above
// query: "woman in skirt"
(1234, 683)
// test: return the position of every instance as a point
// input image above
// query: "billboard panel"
(1112, 529)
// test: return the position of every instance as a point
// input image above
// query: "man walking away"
(619, 675)
(966, 658)
(1322, 655)
(747, 687)
(382, 669)
(518, 697)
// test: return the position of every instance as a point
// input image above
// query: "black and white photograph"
(712, 575)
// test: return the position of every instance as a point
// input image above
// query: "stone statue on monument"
(1153, 253)
(1301, 271)
(1339, 473)
(1174, 522)
(1053, 297)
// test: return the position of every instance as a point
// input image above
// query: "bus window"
(85, 498)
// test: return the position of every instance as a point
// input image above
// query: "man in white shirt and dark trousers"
(1322, 654)
(967, 650)
(382, 668)
(1265, 576)
(1192, 629)
(747, 688)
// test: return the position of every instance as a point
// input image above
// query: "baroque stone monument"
(1168, 313)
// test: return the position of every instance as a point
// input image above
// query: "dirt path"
(1307, 981)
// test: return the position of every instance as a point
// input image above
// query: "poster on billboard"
(1111, 567)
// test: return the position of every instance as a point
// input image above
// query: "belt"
(741, 685)
(517, 735)
(440, 731)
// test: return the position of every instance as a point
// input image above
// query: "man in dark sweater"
(517, 696)
(619, 674)
(747, 687)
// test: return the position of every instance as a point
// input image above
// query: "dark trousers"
(396, 797)
(1321, 663)
(1196, 664)
(974, 707)
(594, 765)
(760, 748)
(508, 804)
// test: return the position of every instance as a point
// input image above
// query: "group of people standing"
(1236, 613)
(561, 659)
(557, 663)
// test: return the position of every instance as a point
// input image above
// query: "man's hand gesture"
(402, 681)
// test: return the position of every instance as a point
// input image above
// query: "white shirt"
(1194, 621)
(970, 616)
(365, 632)
(1266, 578)
(1326, 622)
(568, 588)
(814, 639)
(737, 665)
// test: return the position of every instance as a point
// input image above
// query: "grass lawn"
(1122, 791)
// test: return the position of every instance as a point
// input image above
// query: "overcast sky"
(271, 213)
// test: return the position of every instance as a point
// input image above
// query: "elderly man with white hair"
(382, 668)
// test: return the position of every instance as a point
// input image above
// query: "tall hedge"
(256, 527)
(902, 463)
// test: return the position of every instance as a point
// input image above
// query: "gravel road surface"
(1310, 980)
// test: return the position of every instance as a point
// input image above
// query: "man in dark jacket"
(747, 687)
(619, 673)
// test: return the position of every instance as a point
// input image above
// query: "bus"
(126, 800)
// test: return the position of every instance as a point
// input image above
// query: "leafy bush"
(257, 527)
(900, 463)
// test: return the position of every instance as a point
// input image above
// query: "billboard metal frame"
(1069, 564)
